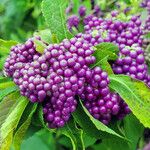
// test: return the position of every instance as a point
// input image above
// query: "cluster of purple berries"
(128, 37)
(146, 41)
(56, 77)
(75, 20)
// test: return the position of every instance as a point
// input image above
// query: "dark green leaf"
(4, 79)
(135, 93)
(93, 128)
(54, 13)
(71, 131)
(132, 130)
(41, 140)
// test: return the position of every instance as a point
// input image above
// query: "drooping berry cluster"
(57, 76)
(62, 72)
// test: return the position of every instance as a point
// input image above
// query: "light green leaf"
(5, 46)
(76, 6)
(92, 126)
(7, 91)
(54, 14)
(40, 46)
(11, 109)
(24, 124)
(45, 35)
(7, 85)
(147, 35)
(2, 61)
(135, 93)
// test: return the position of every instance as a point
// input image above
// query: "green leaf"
(71, 131)
(2, 61)
(5, 46)
(54, 14)
(106, 49)
(4, 79)
(76, 6)
(11, 109)
(135, 93)
(45, 35)
(105, 52)
(147, 35)
(133, 131)
(40, 46)
(88, 140)
(93, 128)
(104, 64)
(7, 84)
(44, 141)
(24, 124)
(7, 91)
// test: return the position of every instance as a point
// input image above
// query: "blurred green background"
(20, 18)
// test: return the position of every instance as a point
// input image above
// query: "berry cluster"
(146, 41)
(74, 20)
(128, 37)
